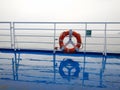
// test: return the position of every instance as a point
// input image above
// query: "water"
(96, 71)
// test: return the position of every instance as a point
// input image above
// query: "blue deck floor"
(95, 69)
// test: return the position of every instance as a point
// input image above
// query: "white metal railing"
(5, 35)
(44, 35)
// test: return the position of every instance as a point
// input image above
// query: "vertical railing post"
(14, 36)
(11, 35)
(84, 54)
(85, 38)
(104, 56)
(105, 40)
(54, 52)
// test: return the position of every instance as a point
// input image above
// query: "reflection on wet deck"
(94, 71)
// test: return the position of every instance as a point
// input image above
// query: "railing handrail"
(63, 22)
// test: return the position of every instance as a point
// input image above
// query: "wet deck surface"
(40, 69)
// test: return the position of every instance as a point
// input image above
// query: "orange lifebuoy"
(75, 46)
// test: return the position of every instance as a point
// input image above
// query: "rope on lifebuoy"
(71, 34)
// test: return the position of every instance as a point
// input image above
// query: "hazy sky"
(60, 10)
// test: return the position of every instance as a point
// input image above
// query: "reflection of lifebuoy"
(75, 47)
(69, 68)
